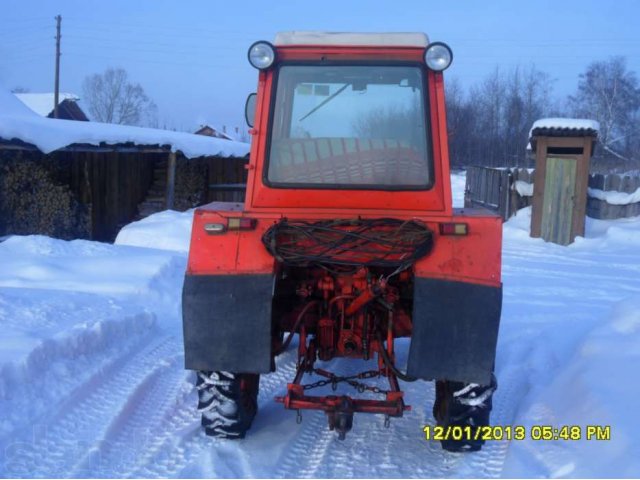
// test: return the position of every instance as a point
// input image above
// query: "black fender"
(226, 321)
(455, 330)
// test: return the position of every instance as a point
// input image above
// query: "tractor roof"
(352, 39)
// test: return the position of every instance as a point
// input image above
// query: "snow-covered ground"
(92, 380)
(458, 181)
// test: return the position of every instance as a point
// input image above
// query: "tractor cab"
(349, 121)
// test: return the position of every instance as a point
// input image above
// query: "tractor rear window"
(349, 126)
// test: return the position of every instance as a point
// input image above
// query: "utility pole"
(57, 86)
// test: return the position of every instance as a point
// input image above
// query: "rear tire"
(462, 404)
(228, 402)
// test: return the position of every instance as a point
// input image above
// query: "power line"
(206, 32)
(150, 26)
(200, 44)
(235, 53)
(24, 20)
(161, 62)
(26, 58)
(16, 42)
(21, 51)
(12, 31)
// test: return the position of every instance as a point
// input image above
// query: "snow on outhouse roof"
(18, 122)
(351, 38)
(565, 127)
(42, 103)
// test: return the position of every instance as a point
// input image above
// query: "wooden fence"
(488, 188)
(93, 192)
(227, 179)
(496, 189)
(506, 190)
(601, 209)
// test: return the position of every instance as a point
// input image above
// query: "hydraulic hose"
(385, 357)
(296, 325)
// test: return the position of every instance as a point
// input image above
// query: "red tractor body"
(347, 237)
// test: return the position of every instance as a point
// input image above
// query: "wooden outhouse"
(563, 148)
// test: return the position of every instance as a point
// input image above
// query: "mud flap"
(227, 322)
(455, 331)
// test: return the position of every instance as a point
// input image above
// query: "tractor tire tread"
(227, 409)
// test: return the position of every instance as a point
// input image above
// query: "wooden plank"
(228, 186)
(97, 193)
(569, 142)
(113, 192)
(559, 200)
(597, 181)
(467, 187)
(171, 180)
(539, 187)
(581, 185)
(514, 197)
(86, 191)
(628, 184)
(504, 192)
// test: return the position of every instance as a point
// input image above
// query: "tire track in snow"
(180, 444)
(307, 449)
(370, 449)
(158, 400)
(401, 457)
(75, 430)
(75, 384)
(183, 441)
(513, 386)
(138, 426)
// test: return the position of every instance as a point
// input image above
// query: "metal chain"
(334, 380)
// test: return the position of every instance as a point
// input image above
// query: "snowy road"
(92, 384)
(137, 417)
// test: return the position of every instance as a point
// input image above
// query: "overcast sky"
(190, 56)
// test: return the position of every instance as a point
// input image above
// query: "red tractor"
(347, 241)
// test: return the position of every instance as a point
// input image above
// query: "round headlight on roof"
(438, 56)
(261, 55)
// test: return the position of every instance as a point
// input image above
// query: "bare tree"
(489, 99)
(461, 122)
(528, 99)
(609, 93)
(113, 99)
(490, 124)
(391, 122)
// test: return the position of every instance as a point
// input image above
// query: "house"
(87, 179)
(42, 104)
(210, 131)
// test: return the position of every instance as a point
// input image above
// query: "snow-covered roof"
(42, 103)
(568, 127)
(349, 38)
(18, 122)
(217, 132)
